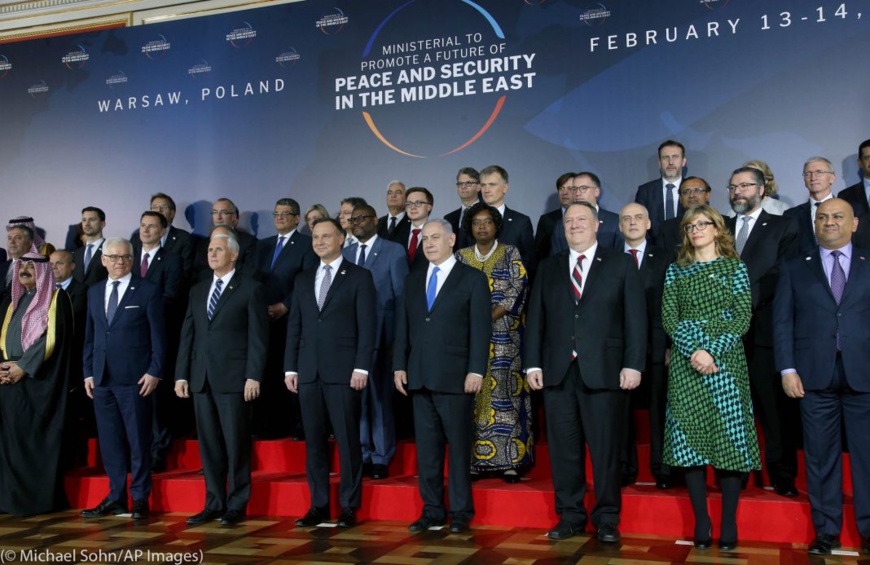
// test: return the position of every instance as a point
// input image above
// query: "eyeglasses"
(222, 213)
(283, 214)
(697, 226)
(118, 258)
(696, 190)
(159, 207)
(581, 189)
(808, 174)
(466, 184)
(415, 204)
(740, 187)
(358, 219)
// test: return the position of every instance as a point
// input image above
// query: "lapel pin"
(343, 272)
(861, 257)
(230, 287)
(132, 287)
(808, 259)
(598, 258)
(764, 224)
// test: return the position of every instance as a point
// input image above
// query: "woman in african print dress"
(502, 411)
(706, 309)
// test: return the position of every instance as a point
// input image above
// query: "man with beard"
(764, 241)
(34, 378)
(659, 195)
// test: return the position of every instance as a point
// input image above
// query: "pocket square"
(128, 307)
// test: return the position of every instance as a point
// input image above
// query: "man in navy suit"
(418, 205)
(174, 240)
(443, 330)
(279, 259)
(224, 212)
(395, 209)
(123, 364)
(660, 196)
(819, 176)
(89, 269)
(586, 187)
(468, 188)
(857, 194)
(330, 343)
(386, 261)
(516, 228)
(822, 350)
(550, 223)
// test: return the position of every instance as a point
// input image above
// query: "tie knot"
(363, 246)
(281, 239)
(116, 283)
(580, 260)
(836, 253)
(435, 271)
(327, 268)
(218, 284)
(746, 219)
(415, 231)
(633, 252)
(670, 185)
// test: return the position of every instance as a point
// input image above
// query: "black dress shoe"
(865, 545)
(785, 488)
(203, 517)
(608, 533)
(664, 483)
(313, 517)
(423, 523)
(105, 508)
(705, 542)
(725, 545)
(347, 518)
(232, 517)
(379, 472)
(140, 509)
(823, 544)
(564, 530)
(459, 525)
(511, 477)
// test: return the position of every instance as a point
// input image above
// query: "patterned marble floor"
(165, 538)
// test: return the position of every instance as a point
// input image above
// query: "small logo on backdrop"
(288, 58)
(76, 58)
(5, 66)
(714, 4)
(242, 36)
(332, 23)
(38, 90)
(199, 69)
(595, 15)
(118, 79)
(156, 48)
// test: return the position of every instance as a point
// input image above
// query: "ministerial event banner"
(320, 100)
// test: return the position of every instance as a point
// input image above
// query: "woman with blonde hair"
(706, 308)
(769, 204)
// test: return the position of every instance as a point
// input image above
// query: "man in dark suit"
(586, 187)
(89, 268)
(443, 330)
(822, 351)
(857, 194)
(550, 223)
(652, 263)
(694, 192)
(330, 343)
(395, 209)
(175, 240)
(387, 263)
(660, 195)
(819, 176)
(418, 205)
(764, 241)
(586, 333)
(123, 364)
(221, 361)
(166, 270)
(225, 213)
(516, 228)
(279, 259)
(468, 188)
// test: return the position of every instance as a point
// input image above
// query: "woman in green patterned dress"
(706, 309)
(502, 411)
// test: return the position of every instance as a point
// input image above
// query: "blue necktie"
(212, 303)
(89, 254)
(432, 288)
(362, 255)
(278, 249)
(669, 201)
(113, 302)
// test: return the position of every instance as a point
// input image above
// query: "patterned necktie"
(278, 249)
(432, 288)
(113, 302)
(324, 286)
(634, 256)
(89, 254)
(412, 249)
(577, 278)
(143, 267)
(669, 201)
(215, 296)
(838, 277)
(743, 234)
(392, 225)
(361, 260)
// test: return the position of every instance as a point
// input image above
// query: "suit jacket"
(331, 342)
(383, 226)
(230, 348)
(245, 263)
(438, 348)
(134, 343)
(652, 272)
(650, 195)
(462, 239)
(773, 240)
(670, 238)
(516, 230)
(178, 241)
(549, 226)
(807, 318)
(401, 235)
(78, 295)
(857, 197)
(296, 256)
(2, 255)
(389, 266)
(607, 327)
(802, 218)
(95, 272)
(609, 235)
(166, 270)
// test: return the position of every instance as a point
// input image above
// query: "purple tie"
(838, 284)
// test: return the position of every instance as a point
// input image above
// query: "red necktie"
(143, 268)
(634, 256)
(577, 278)
(412, 249)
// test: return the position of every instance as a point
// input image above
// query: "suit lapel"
(95, 258)
(337, 280)
(814, 264)
(373, 253)
(757, 235)
(592, 276)
(856, 272)
(226, 294)
(287, 250)
(132, 287)
(447, 287)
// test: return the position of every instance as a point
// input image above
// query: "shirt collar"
(335, 264)
(445, 267)
(589, 253)
(641, 249)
